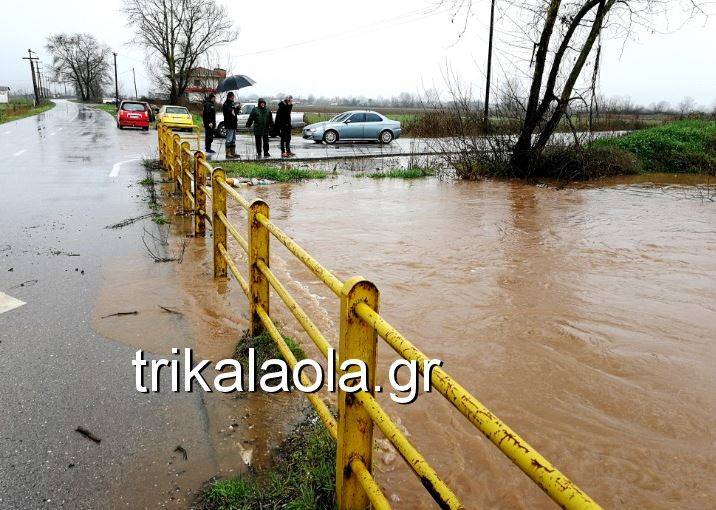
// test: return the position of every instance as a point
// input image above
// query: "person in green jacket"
(262, 120)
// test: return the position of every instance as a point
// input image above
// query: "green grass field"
(686, 146)
(21, 109)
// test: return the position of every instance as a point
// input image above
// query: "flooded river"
(583, 317)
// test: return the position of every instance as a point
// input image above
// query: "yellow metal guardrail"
(360, 326)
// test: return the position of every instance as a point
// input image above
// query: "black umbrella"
(235, 82)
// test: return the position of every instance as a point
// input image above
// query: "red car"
(134, 114)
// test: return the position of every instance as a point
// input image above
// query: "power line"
(402, 19)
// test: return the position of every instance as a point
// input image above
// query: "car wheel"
(120, 126)
(386, 136)
(221, 130)
(145, 128)
(330, 137)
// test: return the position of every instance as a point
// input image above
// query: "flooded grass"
(270, 172)
(400, 173)
(265, 348)
(302, 478)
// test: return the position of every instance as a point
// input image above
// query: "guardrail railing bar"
(560, 488)
(235, 233)
(319, 405)
(308, 326)
(438, 489)
(231, 191)
(316, 268)
(234, 269)
(370, 486)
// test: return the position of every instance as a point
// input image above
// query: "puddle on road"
(210, 318)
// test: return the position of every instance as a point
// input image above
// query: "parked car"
(135, 114)
(175, 117)
(298, 119)
(354, 125)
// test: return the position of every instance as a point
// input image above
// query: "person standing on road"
(262, 120)
(230, 123)
(208, 116)
(283, 124)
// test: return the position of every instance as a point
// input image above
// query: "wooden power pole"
(489, 64)
(134, 77)
(32, 70)
(116, 83)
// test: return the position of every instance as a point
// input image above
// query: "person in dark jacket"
(283, 124)
(262, 120)
(208, 116)
(230, 123)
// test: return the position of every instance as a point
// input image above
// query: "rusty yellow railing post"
(258, 251)
(199, 195)
(159, 148)
(176, 152)
(218, 205)
(357, 340)
(184, 177)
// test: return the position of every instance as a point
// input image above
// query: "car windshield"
(247, 108)
(177, 110)
(133, 107)
(340, 117)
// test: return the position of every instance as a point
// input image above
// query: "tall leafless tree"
(177, 34)
(83, 61)
(561, 36)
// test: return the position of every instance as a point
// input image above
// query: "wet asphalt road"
(308, 149)
(61, 185)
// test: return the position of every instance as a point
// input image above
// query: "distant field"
(21, 108)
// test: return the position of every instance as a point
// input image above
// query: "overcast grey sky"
(370, 48)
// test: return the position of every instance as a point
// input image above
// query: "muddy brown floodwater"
(583, 317)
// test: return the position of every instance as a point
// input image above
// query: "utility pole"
(39, 80)
(134, 77)
(116, 84)
(489, 65)
(32, 70)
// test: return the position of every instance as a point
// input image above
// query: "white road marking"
(117, 166)
(8, 303)
(53, 134)
(20, 152)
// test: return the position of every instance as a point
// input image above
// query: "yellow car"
(175, 117)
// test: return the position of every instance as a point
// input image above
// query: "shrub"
(573, 163)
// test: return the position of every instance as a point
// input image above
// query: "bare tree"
(686, 106)
(177, 34)
(80, 59)
(561, 38)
